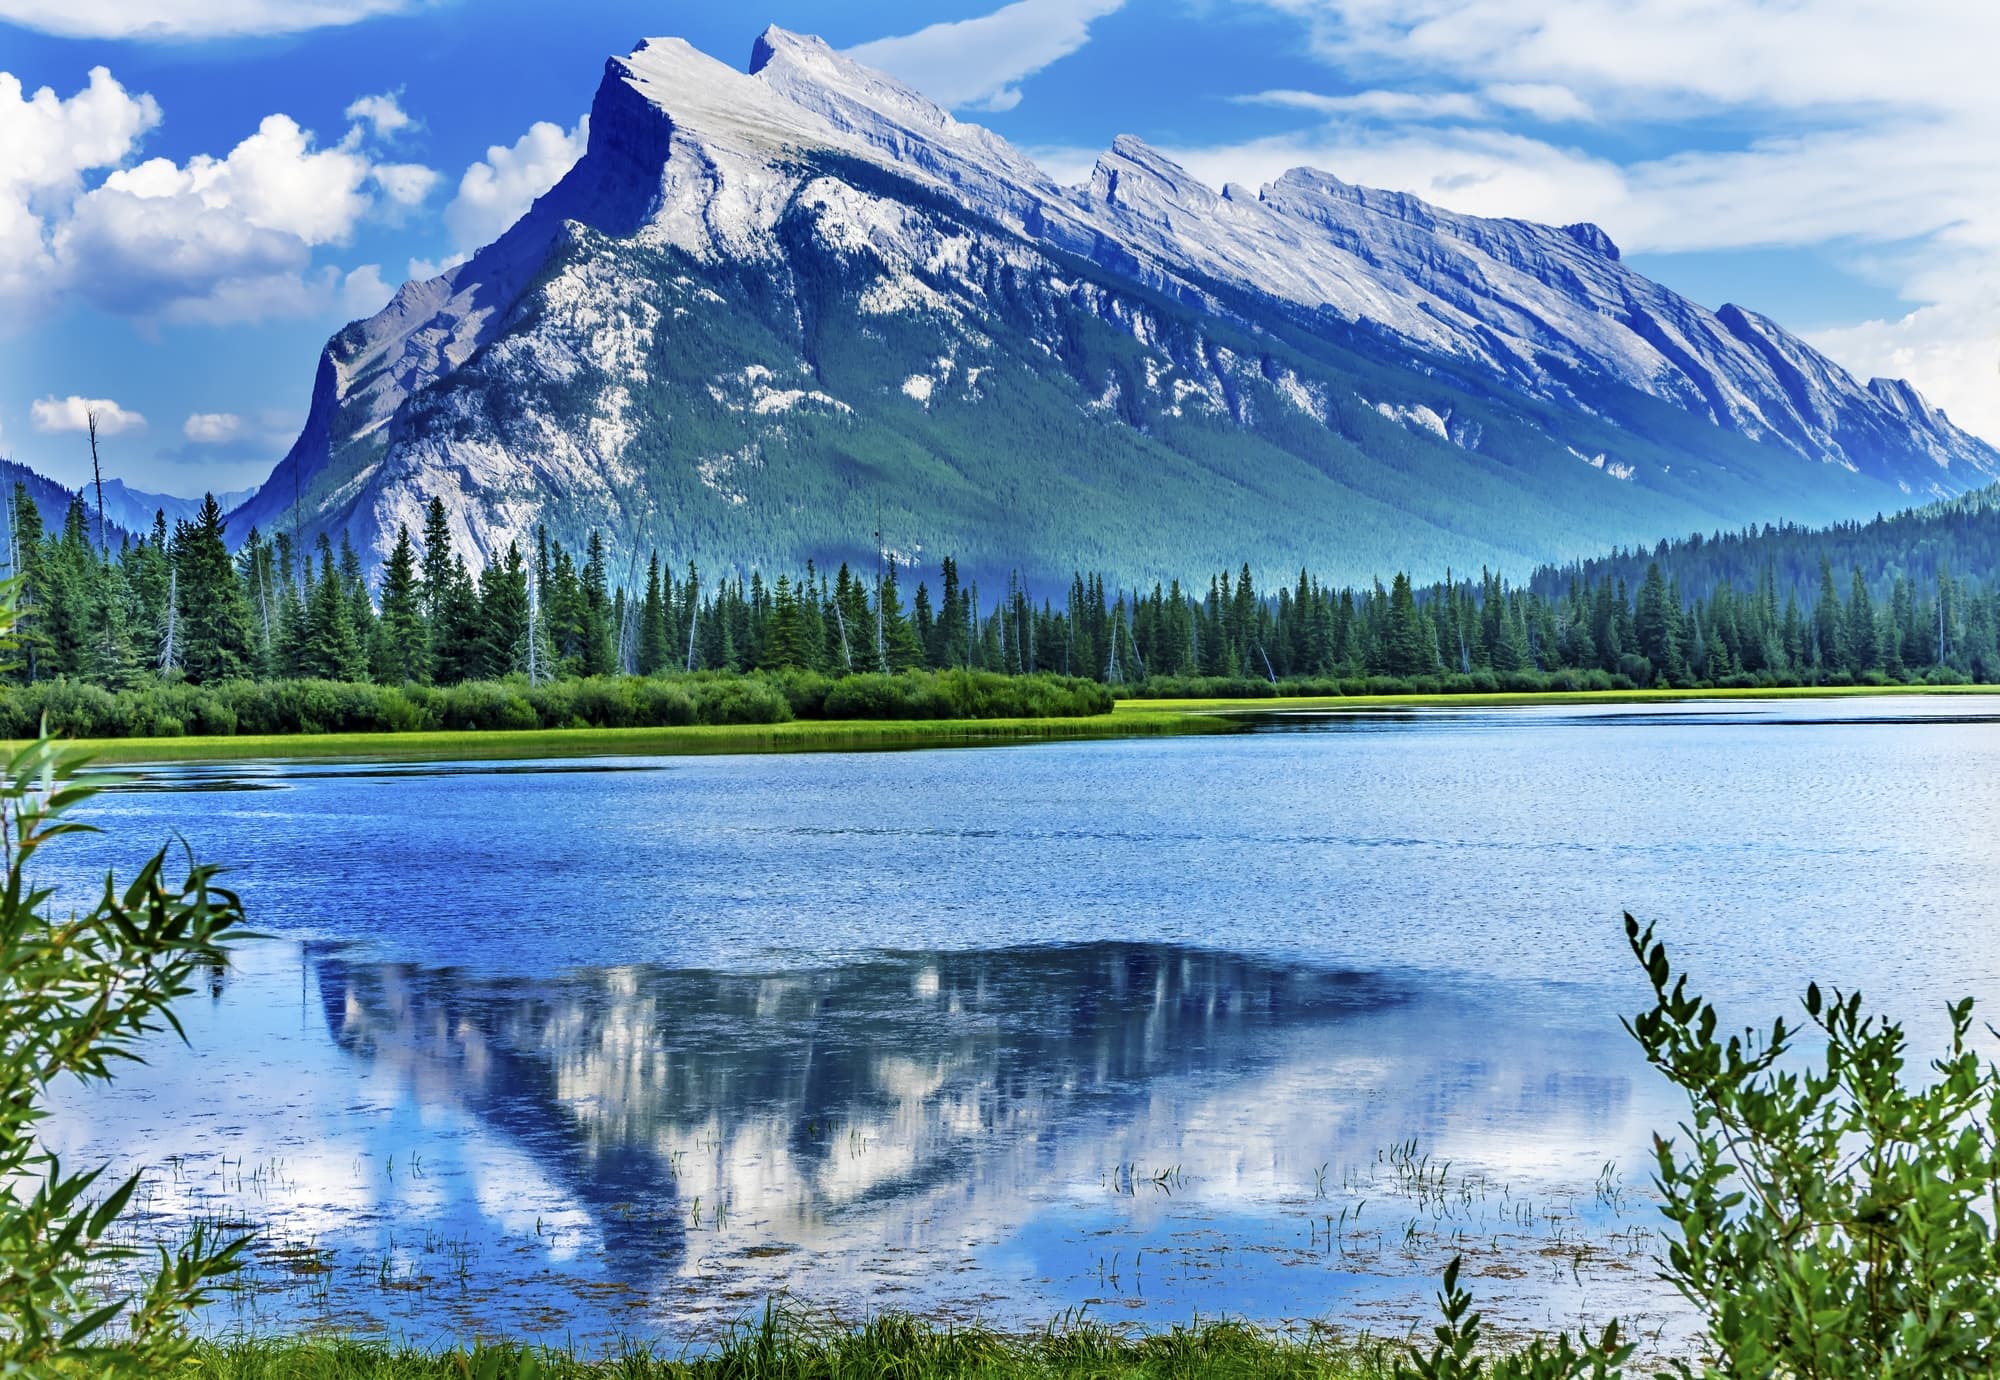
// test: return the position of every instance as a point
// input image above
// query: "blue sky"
(188, 209)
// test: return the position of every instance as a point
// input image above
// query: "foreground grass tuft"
(790, 1350)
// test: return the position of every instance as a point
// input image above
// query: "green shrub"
(734, 700)
(1830, 1220)
(76, 993)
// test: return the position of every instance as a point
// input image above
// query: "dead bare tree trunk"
(97, 470)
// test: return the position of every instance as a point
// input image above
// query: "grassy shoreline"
(892, 1345)
(1132, 718)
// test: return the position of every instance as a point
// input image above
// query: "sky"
(195, 194)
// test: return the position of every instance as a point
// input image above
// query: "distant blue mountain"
(134, 509)
(126, 509)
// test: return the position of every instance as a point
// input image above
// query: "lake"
(1268, 1025)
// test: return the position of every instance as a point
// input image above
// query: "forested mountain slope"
(1958, 538)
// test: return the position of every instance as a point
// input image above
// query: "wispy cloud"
(979, 63)
(184, 20)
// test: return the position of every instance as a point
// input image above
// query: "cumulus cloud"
(213, 239)
(1856, 124)
(977, 63)
(363, 292)
(498, 189)
(189, 19)
(212, 428)
(74, 413)
(383, 113)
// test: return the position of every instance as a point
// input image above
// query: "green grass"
(800, 735)
(891, 1346)
(1132, 718)
(1516, 698)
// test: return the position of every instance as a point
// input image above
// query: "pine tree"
(1404, 652)
(784, 643)
(653, 649)
(1827, 621)
(405, 635)
(596, 648)
(330, 650)
(458, 631)
(439, 561)
(1860, 652)
(503, 603)
(214, 633)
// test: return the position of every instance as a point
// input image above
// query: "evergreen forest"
(144, 637)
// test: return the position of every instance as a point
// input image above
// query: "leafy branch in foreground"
(76, 995)
(1832, 1222)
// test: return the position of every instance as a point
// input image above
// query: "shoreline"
(1130, 718)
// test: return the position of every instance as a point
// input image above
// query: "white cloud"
(1543, 100)
(212, 239)
(1667, 56)
(498, 189)
(1950, 349)
(73, 414)
(1386, 105)
(363, 292)
(189, 19)
(976, 63)
(423, 270)
(405, 184)
(384, 113)
(47, 142)
(212, 428)
(1067, 164)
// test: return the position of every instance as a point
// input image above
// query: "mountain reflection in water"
(1005, 1134)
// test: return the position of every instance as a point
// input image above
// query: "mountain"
(126, 510)
(134, 509)
(771, 314)
(52, 501)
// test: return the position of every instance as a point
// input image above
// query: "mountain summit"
(771, 314)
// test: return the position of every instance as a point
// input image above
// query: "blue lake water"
(619, 1048)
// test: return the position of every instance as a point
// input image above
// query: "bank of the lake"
(891, 1345)
(1131, 718)
(798, 735)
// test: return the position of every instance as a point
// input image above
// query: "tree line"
(180, 606)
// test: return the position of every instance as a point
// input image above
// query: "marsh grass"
(784, 1346)
(799, 735)
(1130, 718)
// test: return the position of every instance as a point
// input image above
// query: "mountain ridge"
(885, 219)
